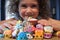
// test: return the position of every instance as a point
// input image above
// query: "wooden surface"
(53, 38)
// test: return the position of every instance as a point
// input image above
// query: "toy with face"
(58, 33)
(39, 31)
(1, 35)
(7, 33)
(14, 33)
(18, 28)
(30, 28)
(48, 29)
(29, 36)
(22, 36)
(39, 26)
(38, 34)
(47, 35)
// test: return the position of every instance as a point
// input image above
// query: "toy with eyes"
(39, 26)
(47, 35)
(30, 28)
(22, 36)
(7, 34)
(48, 30)
(18, 28)
(1, 35)
(58, 34)
(29, 36)
(39, 31)
(14, 33)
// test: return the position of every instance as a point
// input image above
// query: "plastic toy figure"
(39, 31)
(30, 28)
(29, 36)
(39, 26)
(7, 34)
(22, 36)
(58, 34)
(38, 34)
(48, 30)
(47, 35)
(18, 28)
(14, 33)
(1, 35)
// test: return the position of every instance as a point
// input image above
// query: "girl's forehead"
(29, 1)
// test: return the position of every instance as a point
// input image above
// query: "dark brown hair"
(43, 8)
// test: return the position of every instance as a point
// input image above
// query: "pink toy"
(39, 26)
(47, 35)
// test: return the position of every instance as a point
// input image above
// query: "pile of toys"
(27, 30)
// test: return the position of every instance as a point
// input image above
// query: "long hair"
(44, 10)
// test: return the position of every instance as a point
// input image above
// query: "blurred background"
(53, 4)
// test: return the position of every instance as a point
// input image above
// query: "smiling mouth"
(29, 15)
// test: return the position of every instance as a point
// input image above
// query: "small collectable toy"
(22, 36)
(47, 35)
(58, 34)
(1, 35)
(29, 36)
(48, 30)
(7, 34)
(17, 28)
(14, 33)
(30, 28)
(39, 31)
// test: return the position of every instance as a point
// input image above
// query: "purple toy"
(39, 26)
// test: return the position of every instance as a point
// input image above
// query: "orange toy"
(7, 33)
(38, 33)
(58, 33)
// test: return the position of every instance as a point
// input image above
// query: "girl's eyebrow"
(28, 3)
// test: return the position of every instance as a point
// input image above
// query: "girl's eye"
(34, 6)
(23, 6)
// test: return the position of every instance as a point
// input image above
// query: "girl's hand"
(8, 23)
(44, 22)
(54, 23)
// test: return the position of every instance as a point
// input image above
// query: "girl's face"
(28, 8)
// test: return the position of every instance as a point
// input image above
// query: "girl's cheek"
(22, 11)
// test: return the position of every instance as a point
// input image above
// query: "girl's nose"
(29, 12)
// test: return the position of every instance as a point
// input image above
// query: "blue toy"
(1, 35)
(22, 36)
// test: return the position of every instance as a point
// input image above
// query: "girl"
(36, 8)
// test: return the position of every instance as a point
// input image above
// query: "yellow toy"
(7, 34)
(38, 34)
(58, 34)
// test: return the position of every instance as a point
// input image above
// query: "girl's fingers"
(44, 22)
(8, 25)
